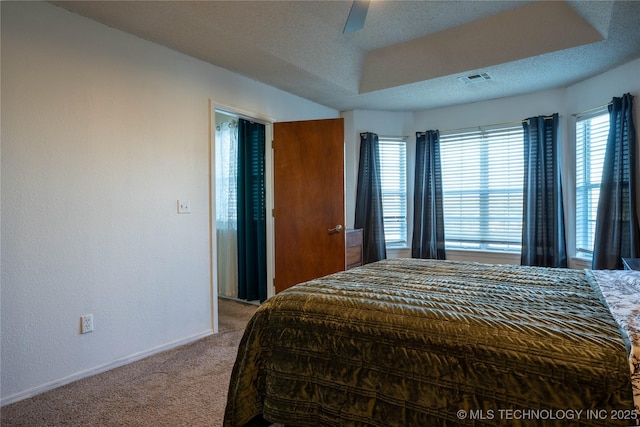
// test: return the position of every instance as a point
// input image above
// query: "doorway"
(240, 207)
(314, 144)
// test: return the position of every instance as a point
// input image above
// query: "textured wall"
(102, 132)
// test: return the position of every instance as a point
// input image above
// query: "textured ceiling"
(410, 55)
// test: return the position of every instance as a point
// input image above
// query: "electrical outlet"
(86, 323)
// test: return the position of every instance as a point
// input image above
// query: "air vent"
(475, 78)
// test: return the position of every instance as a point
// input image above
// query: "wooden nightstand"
(353, 248)
(631, 263)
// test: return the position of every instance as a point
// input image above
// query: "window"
(393, 161)
(591, 141)
(482, 179)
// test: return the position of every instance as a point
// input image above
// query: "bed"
(407, 342)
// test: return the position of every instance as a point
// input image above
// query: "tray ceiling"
(410, 55)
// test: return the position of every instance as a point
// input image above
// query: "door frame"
(268, 123)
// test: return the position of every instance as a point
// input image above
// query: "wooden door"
(308, 200)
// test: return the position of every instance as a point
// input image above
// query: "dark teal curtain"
(617, 234)
(428, 216)
(543, 234)
(252, 246)
(369, 215)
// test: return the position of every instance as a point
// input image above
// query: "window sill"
(398, 252)
(484, 256)
(484, 251)
(580, 263)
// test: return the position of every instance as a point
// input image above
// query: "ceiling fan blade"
(357, 15)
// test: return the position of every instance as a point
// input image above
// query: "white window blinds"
(482, 176)
(393, 173)
(591, 141)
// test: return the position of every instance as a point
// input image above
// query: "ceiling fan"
(357, 15)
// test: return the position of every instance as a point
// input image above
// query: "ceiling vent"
(475, 78)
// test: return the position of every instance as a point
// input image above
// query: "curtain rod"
(244, 116)
(495, 125)
(232, 124)
(391, 137)
(600, 107)
(403, 137)
(482, 127)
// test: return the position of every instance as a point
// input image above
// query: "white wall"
(600, 89)
(102, 133)
(504, 110)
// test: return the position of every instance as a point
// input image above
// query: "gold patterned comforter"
(406, 342)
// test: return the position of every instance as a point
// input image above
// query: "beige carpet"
(186, 386)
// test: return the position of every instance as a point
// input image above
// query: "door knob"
(336, 229)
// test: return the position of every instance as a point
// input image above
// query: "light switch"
(184, 206)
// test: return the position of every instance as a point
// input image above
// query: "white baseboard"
(99, 369)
